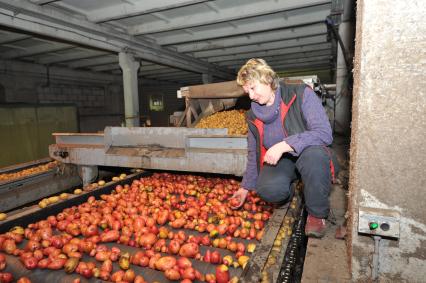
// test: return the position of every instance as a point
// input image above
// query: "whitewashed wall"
(388, 152)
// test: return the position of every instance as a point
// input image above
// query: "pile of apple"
(166, 217)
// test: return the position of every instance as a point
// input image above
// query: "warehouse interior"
(103, 94)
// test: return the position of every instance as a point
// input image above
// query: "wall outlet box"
(378, 221)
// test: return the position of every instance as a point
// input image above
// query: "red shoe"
(315, 227)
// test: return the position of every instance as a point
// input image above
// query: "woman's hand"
(274, 153)
(238, 198)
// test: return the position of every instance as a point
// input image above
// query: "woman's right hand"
(240, 197)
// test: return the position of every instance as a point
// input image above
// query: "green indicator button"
(373, 225)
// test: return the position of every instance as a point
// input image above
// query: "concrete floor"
(326, 259)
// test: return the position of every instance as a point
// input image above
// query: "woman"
(289, 134)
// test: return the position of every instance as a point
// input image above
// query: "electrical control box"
(378, 221)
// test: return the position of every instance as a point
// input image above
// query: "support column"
(87, 173)
(130, 84)
(207, 78)
(343, 94)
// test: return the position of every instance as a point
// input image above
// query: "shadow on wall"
(2, 94)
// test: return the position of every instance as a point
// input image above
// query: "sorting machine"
(163, 148)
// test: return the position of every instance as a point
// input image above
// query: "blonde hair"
(257, 69)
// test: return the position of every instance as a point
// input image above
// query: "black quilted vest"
(291, 113)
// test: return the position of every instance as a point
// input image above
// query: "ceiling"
(174, 40)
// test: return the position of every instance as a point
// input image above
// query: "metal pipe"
(345, 37)
(376, 258)
(330, 86)
(339, 39)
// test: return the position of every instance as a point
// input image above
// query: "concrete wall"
(388, 153)
(98, 97)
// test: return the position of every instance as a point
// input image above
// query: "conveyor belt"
(8, 184)
(27, 189)
(21, 166)
(30, 179)
(34, 214)
(291, 267)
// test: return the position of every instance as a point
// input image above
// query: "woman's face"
(259, 92)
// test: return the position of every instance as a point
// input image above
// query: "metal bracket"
(61, 153)
(378, 221)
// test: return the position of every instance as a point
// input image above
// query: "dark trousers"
(313, 166)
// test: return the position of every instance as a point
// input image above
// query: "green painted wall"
(26, 130)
